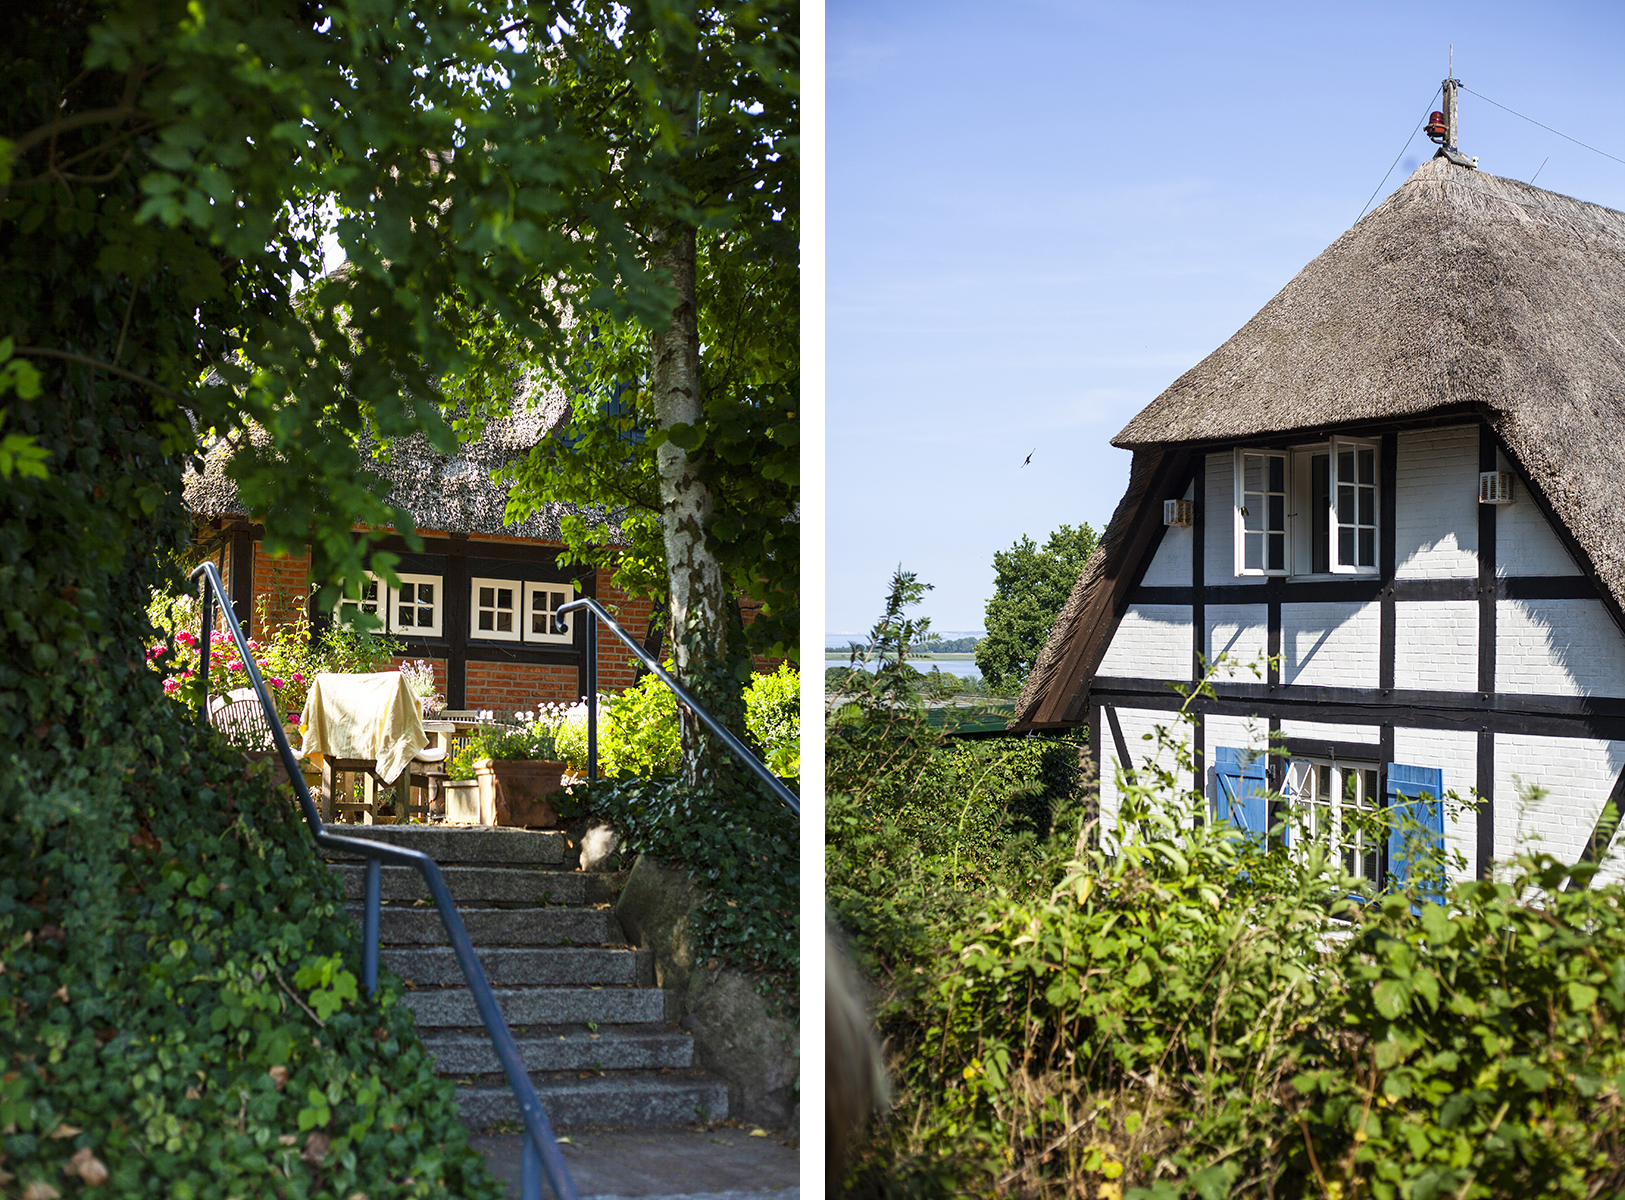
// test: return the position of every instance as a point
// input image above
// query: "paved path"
(696, 1163)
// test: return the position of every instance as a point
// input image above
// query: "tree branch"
(95, 116)
(98, 364)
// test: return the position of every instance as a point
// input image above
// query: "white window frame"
(1243, 511)
(379, 609)
(565, 589)
(1333, 552)
(1308, 809)
(439, 605)
(517, 587)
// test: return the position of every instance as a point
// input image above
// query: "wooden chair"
(239, 716)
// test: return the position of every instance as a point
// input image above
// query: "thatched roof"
(454, 492)
(1463, 292)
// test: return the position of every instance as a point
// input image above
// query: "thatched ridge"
(1462, 291)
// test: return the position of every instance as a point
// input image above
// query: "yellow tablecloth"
(365, 716)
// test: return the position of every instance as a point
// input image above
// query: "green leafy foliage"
(1169, 1008)
(638, 734)
(773, 719)
(743, 848)
(172, 171)
(179, 999)
(1030, 587)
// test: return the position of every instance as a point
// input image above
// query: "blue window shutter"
(1238, 792)
(1414, 799)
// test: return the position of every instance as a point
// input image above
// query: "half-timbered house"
(478, 600)
(1402, 485)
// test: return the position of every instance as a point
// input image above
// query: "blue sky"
(1041, 214)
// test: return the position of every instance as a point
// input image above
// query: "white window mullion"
(494, 612)
(416, 607)
(1352, 512)
(374, 599)
(1261, 495)
(542, 622)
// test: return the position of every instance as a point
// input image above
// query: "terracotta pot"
(514, 790)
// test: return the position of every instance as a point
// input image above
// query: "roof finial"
(1451, 149)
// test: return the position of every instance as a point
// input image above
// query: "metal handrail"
(739, 749)
(541, 1148)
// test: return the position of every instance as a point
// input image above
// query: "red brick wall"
(281, 586)
(507, 688)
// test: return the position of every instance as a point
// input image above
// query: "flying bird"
(1029, 457)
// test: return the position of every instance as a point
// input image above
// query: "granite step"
(498, 926)
(530, 886)
(455, 1007)
(565, 1048)
(513, 966)
(465, 845)
(680, 1098)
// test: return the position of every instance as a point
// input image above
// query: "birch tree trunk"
(700, 605)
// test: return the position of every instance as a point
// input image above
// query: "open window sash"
(1352, 511)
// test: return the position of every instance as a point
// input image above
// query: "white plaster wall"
(1524, 541)
(1136, 724)
(1330, 645)
(1171, 565)
(1153, 641)
(1367, 734)
(1455, 753)
(1436, 645)
(1558, 648)
(1577, 773)
(1220, 565)
(1436, 504)
(1242, 631)
(1240, 732)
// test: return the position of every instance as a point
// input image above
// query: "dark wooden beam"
(1486, 654)
(1549, 716)
(1119, 744)
(1373, 588)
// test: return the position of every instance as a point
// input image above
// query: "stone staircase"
(597, 1036)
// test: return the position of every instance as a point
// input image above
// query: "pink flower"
(186, 638)
(298, 678)
(171, 686)
(277, 683)
(252, 644)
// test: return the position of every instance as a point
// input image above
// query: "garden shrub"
(741, 845)
(773, 719)
(179, 1003)
(637, 732)
(1201, 1014)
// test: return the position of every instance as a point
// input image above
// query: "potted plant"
(518, 770)
(419, 677)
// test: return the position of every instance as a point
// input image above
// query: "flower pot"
(463, 802)
(513, 791)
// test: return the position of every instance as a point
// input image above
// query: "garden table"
(370, 725)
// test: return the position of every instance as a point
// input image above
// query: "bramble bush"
(1201, 1013)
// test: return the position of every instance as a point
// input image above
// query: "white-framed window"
(542, 620)
(1311, 510)
(516, 610)
(1352, 516)
(416, 607)
(1261, 492)
(1334, 804)
(374, 599)
(494, 612)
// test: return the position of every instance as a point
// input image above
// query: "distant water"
(960, 667)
